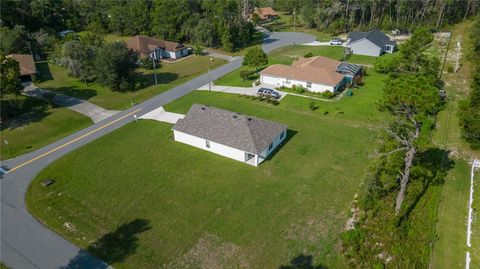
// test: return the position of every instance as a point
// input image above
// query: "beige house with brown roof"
(26, 63)
(156, 48)
(315, 74)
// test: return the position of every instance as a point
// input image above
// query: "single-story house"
(372, 43)
(156, 48)
(240, 137)
(266, 13)
(315, 74)
(26, 63)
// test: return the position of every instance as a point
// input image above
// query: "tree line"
(393, 222)
(212, 23)
(345, 15)
(470, 108)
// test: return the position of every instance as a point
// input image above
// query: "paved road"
(78, 105)
(25, 243)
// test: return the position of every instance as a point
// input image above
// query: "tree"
(78, 59)
(115, 65)
(413, 101)
(9, 76)
(255, 57)
(14, 40)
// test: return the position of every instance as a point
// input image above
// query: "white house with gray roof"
(372, 43)
(240, 137)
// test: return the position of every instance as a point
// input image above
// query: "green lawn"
(38, 126)
(146, 201)
(169, 76)
(286, 55)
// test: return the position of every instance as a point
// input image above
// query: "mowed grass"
(204, 210)
(169, 76)
(284, 23)
(450, 249)
(286, 55)
(40, 125)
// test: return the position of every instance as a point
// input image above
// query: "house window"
(282, 135)
(288, 81)
(309, 84)
(270, 147)
(207, 143)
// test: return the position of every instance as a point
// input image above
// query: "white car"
(336, 41)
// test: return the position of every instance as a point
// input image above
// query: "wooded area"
(342, 16)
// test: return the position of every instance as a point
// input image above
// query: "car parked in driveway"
(264, 92)
(336, 41)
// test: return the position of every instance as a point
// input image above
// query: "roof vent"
(249, 119)
(203, 108)
(235, 116)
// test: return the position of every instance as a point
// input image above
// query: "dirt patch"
(212, 253)
(310, 230)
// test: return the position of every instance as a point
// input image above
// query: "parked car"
(264, 92)
(336, 41)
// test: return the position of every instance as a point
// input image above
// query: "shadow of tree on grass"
(302, 262)
(116, 246)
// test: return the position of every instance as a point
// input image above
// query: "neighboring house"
(156, 48)
(26, 63)
(65, 33)
(266, 13)
(372, 43)
(315, 74)
(240, 137)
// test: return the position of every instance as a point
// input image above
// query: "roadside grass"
(169, 75)
(3, 266)
(286, 55)
(199, 208)
(257, 41)
(37, 126)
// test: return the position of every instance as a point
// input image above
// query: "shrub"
(298, 88)
(328, 94)
(308, 55)
(147, 63)
(312, 106)
(450, 69)
(197, 50)
(246, 74)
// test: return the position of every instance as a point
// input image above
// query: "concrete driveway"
(81, 106)
(160, 114)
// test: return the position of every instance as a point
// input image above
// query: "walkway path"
(161, 115)
(81, 106)
(26, 243)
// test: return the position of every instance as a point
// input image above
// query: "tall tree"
(115, 65)
(78, 59)
(9, 76)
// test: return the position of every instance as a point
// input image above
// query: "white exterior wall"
(219, 149)
(365, 47)
(277, 141)
(283, 82)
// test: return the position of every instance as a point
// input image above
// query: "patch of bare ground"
(210, 252)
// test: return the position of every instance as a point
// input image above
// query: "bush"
(308, 55)
(147, 63)
(298, 88)
(450, 69)
(197, 50)
(246, 74)
(328, 94)
(312, 106)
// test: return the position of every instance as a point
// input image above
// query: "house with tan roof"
(266, 13)
(26, 63)
(156, 48)
(315, 74)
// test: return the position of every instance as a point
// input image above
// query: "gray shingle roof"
(375, 36)
(229, 128)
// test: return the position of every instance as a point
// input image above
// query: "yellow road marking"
(72, 141)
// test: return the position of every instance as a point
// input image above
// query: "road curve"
(25, 242)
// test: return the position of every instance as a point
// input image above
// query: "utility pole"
(294, 20)
(209, 82)
(457, 60)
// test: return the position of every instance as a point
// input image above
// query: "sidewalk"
(86, 108)
(161, 115)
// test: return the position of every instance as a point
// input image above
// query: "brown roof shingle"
(145, 44)
(317, 69)
(229, 128)
(26, 63)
